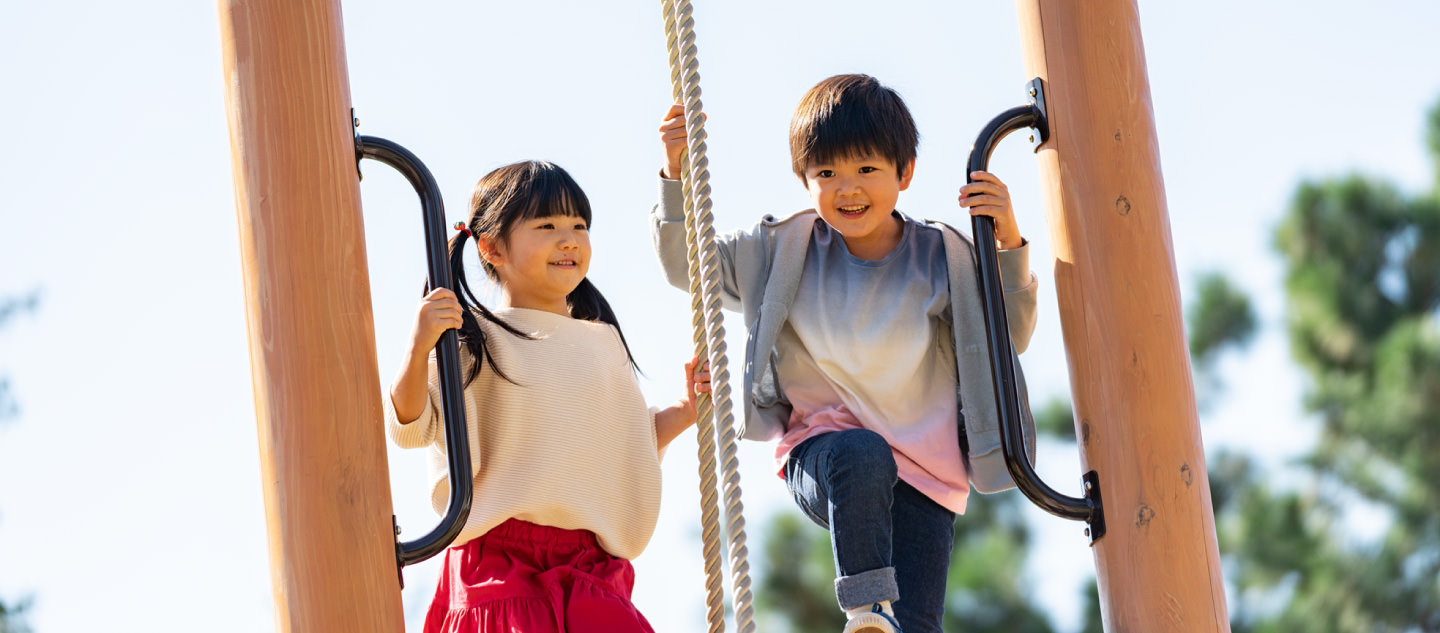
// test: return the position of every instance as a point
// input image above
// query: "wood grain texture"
(326, 488)
(1158, 565)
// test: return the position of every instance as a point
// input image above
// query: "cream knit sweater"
(570, 444)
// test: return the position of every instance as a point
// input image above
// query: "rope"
(709, 334)
(705, 423)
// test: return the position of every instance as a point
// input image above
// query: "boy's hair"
(849, 116)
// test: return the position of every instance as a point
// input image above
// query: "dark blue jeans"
(891, 542)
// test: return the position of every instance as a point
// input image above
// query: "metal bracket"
(1036, 89)
(359, 146)
(1096, 528)
(399, 553)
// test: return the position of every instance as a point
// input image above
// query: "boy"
(854, 323)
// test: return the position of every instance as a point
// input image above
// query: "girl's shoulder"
(542, 326)
(550, 339)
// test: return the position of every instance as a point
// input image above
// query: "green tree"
(1363, 297)
(1219, 317)
(11, 307)
(12, 615)
(986, 591)
(797, 592)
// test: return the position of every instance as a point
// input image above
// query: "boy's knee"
(865, 451)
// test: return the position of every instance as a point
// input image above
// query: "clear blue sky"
(129, 488)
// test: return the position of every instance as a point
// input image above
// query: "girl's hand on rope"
(439, 311)
(675, 139)
(697, 381)
(671, 421)
(989, 197)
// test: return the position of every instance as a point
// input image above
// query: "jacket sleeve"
(667, 230)
(423, 430)
(1021, 287)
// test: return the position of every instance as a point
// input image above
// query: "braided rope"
(705, 306)
(705, 422)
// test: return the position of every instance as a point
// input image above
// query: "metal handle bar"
(447, 351)
(997, 332)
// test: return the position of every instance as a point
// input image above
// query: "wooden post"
(312, 354)
(1158, 565)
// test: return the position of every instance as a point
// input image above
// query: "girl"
(566, 454)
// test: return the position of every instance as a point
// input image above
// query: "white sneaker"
(876, 621)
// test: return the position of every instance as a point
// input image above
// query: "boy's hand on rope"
(989, 197)
(675, 139)
(439, 311)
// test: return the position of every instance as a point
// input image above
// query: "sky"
(130, 495)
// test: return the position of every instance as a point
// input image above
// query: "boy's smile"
(856, 196)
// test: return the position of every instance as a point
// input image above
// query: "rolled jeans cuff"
(867, 588)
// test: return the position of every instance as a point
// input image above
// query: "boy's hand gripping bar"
(447, 352)
(997, 331)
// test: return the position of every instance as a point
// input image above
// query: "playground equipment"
(333, 553)
(1158, 565)
(322, 447)
(997, 332)
(447, 351)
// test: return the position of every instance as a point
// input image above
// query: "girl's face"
(541, 262)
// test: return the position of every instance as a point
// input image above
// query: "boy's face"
(855, 196)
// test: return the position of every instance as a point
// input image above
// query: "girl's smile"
(541, 261)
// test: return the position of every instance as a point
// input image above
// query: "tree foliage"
(12, 619)
(1363, 292)
(986, 591)
(797, 591)
(11, 307)
(1219, 317)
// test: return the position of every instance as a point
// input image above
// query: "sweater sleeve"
(667, 229)
(660, 452)
(422, 430)
(1021, 288)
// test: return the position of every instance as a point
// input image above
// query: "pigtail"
(471, 334)
(586, 303)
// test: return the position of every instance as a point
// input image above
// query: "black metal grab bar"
(997, 332)
(447, 351)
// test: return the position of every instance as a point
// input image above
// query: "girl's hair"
(504, 198)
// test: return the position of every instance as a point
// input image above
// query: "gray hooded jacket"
(760, 272)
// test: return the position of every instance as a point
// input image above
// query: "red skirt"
(522, 577)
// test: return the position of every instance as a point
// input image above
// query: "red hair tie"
(460, 226)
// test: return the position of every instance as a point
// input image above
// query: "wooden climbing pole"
(1158, 564)
(307, 299)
